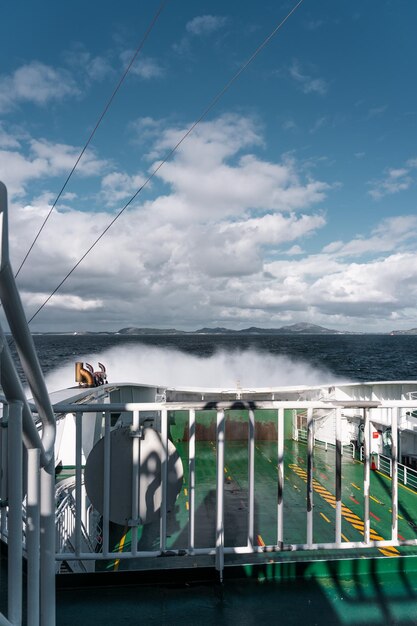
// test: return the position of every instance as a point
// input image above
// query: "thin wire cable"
(93, 132)
(170, 153)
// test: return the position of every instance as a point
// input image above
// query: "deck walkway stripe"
(347, 514)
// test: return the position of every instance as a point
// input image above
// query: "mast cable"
(171, 152)
(100, 119)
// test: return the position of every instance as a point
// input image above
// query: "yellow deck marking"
(398, 516)
(187, 506)
(356, 486)
(375, 500)
(324, 517)
(399, 484)
(347, 514)
(260, 540)
(121, 544)
(225, 470)
(185, 491)
(344, 538)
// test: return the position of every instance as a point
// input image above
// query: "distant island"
(292, 329)
(302, 328)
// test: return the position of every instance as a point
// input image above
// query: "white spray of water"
(172, 368)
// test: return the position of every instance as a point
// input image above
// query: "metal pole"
(106, 484)
(15, 524)
(338, 480)
(135, 482)
(33, 536)
(4, 467)
(366, 474)
(220, 494)
(251, 478)
(47, 544)
(310, 445)
(78, 480)
(191, 485)
(394, 465)
(280, 450)
(164, 478)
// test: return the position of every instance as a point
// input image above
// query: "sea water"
(228, 360)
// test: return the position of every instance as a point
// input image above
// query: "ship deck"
(369, 586)
(265, 519)
(373, 586)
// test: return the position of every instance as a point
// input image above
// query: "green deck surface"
(295, 522)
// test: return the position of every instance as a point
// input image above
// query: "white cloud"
(210, 185)
(205, 24)
(33, 159)
(224, 241)
(119, 186)
(394, 180)
(37, 83)
(61, 301)
(386, 237)
(307, 83)
(144, 67)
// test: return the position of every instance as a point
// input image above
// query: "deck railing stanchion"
(78, 481)
(394, 465)
(191, 480)
(4, 422)
(251, 478)
(164, 478)
(310, 447)
(220, 429)
(338, 480)
(280, 477)
(366, 474)
(106, 484)
(15, 525)
(33, 536)
(47, 544)
(136, 490)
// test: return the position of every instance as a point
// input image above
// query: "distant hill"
(411, 331)
(131, 330)
(292, 329)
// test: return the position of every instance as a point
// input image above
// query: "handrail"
(12, 386)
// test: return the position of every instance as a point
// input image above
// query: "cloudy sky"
(293, 200)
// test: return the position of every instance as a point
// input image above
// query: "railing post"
(338, 479)
(220, 494)
(15, 524)
(136, 490)
(310, 448)
(191, 484)
(251, 478)
(33, 537)
(106, 484)
(394, 466)
(280, 506)
(4, 423)
(164, 478)
(78, 481)
(47, 552)
(366, 474)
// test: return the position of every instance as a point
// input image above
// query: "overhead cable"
(171, 152)
(93, 132)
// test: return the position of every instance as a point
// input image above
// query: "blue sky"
(293, 200)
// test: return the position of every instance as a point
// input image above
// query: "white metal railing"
(19, 427)
(347, 448)
(218, 549)
(406, 475)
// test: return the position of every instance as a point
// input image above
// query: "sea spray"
(174, 368)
